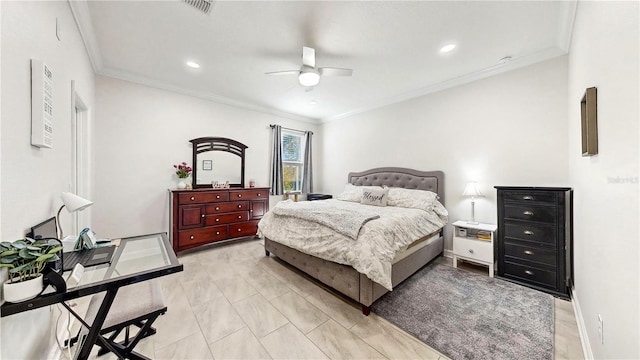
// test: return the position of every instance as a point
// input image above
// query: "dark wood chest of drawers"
(204, 216)
(534, 246)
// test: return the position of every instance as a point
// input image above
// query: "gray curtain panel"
(307, 176)
(276, 162)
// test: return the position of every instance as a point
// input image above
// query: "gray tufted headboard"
(401, 178)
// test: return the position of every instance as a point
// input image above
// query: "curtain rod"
(286, 128)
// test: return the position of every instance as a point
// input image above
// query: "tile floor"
(232, 302)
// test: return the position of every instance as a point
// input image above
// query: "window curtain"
(276, 162)
(307, 175)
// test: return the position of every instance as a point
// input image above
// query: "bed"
(344, 277)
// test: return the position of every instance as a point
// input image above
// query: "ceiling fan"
(309, 75)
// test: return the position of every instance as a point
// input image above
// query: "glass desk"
(136, 259)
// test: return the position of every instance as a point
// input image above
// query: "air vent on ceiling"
(202, 5)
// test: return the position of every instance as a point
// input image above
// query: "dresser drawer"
(248, 194)
(202, 236)
(546, 278)
(473, 249)
(227, 207)
(532, 232)
(211, 220)
(530, 253)
(249, 228)
(548, 197)
(203, 197)
(538, 213)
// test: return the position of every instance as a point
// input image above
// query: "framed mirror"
(217, 159)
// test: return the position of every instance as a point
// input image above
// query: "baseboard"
(448, 253)
(582, 329)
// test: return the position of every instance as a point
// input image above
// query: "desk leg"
(96, 326)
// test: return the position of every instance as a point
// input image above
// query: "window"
(292, 160)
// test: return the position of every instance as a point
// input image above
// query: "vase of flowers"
(183, 171)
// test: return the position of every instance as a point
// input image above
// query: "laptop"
(87, 257)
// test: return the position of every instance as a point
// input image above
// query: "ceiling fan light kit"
(309, 75)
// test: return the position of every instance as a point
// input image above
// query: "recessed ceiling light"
(193, 65)
(447, 48)
(313, 102)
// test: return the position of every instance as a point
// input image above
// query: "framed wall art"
(589, 117)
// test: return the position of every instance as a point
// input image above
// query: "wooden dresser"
(534, 246)
(204, 216)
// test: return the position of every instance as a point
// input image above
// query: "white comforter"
(375, 247)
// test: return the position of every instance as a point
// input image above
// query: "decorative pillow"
(354, 193)
(375, 197)
(412, 198)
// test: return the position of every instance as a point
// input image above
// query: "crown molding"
(121, 75)
(565, 27)
(82, 16)
(515, 63)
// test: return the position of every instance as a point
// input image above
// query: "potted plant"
(182, 171)
(25, 260)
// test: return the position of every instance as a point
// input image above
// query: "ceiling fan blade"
(309, 56)
(329, 71)
(286, 72)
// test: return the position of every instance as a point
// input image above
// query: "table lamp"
(73, 203)
(472, 190)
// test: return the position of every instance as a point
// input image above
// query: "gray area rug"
(469, 316)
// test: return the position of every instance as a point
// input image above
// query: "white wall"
(509, 129)
(33, 178)
(604, 53)
(140, 132)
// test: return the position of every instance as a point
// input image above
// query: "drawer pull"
(191, 237)
(470, 251)
(202, 215)
(528, 212)
(528, 232)
(217, 232)
(217, 196)
(528, 272)
(217, 208)
(528, 252)
(193, 198)
(239, 216)
(239, 195)
(259, 194)
(239, 230)
(239, 206)
(217, 220)
(527, 197)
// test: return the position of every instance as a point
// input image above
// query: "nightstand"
(474, 243)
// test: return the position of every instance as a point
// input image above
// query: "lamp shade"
(472, 190)
(74, 202)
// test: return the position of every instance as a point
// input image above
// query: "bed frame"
(346, 279)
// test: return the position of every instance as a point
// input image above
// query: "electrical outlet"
(601, 328)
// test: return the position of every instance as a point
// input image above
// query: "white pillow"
(376, 197)
(412, 198)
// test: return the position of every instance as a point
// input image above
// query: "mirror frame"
(204, 144)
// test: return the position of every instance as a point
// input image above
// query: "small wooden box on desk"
(204, 216)
(468, 246)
